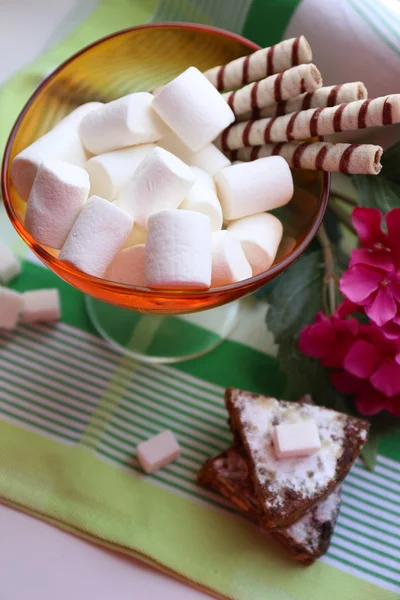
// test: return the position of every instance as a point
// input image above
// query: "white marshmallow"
(203, 199)
(10, 308)
(209, 158)
(178, 251)
(62, 142)
(229, 262)
(97, 236)
(296, 439)
(128, 121)
(128, 266)
(193, 108)
(253, 187)
(260, 236)
(109, 172)
(137, 236)
(158, 451)
(161, 181)
(9, 265)
(58, 194)
(41, 305)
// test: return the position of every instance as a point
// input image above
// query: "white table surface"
(38, 561)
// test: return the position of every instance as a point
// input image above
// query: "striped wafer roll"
(260, 64)
(313, 122)
(276, 88)
(324, 96)
(357, 159)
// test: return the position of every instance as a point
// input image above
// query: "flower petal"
(345, 309)
(367, 223)
(391, 330)
(361, 359)
(383, 308)
(370, 402)
(386, 378)
(376, 259)
(345, 383)
(393, 405)
(359, 282)
(393, 227)
(317, 339)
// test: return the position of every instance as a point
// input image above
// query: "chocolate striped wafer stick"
(313, 122)
(330, 95)
(260, 64)
(357, 159)
(284, 85)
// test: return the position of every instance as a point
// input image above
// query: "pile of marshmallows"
(151, 154)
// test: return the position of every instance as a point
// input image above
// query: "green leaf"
(390, 163)
(370, 450)
(296, 297)
(294, 302)
(377, 192)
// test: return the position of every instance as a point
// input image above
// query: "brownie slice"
(305, 540)
(288, 489)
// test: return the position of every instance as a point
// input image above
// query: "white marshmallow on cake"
(10, 308)
(62, 142)
(202, 198)
(160, 182)
(253, 187)
(229, 262)
(9, 265)
(127, 121)
(292, 440)
(178, 251)
(260, 236)
(41, 306)
(59, 192)
(128, 266)
(209, 158)
(111, 171)
(193, 108)
(98, 234)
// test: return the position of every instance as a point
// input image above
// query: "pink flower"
(328, 339)
(373, 280)
(371, 371)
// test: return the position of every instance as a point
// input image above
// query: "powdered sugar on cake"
(306, 476)
(307, 532)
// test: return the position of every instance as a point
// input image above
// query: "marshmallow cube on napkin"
(59, 192)
(127, 121)
(209, 158)
(253, 187)
(193, 108)
(128, 266)
(9, 265)
(158, 451)
(41, 306)
(178, 251)
(229, 262)
(98, 234)
(62, 142)
(109, 172)
(260, 236)
(161, 181)
(202, 198)
(10, 308)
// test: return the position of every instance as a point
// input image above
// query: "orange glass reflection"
(141, 59)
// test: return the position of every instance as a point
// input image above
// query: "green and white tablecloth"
(73, 410)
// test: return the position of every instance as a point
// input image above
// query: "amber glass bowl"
(140, 59)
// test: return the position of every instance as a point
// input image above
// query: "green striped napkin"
(73, 410)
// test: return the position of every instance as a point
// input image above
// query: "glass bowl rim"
(99, 283)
